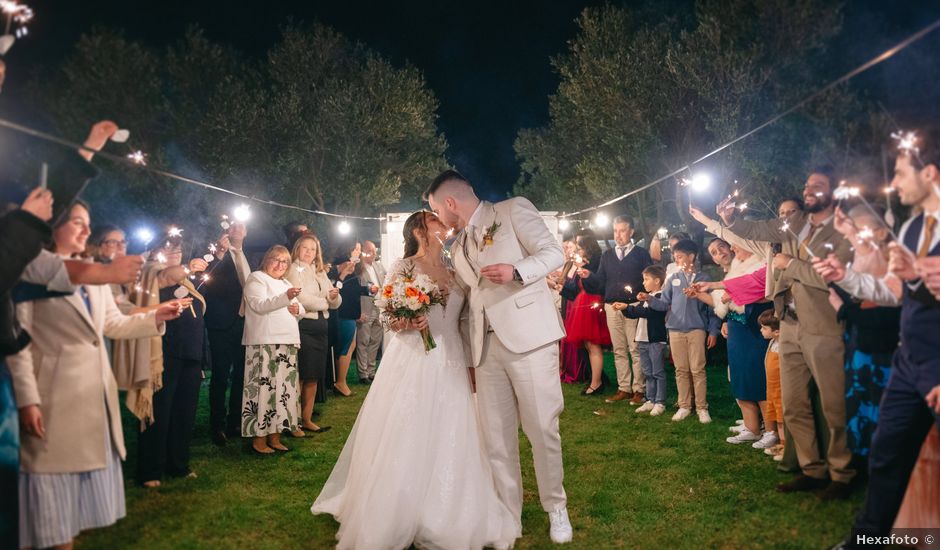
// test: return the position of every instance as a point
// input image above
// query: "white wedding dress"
(414, 469)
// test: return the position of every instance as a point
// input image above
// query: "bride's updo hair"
(415, 222)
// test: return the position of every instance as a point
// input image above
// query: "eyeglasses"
(114, 242)
(278, 261)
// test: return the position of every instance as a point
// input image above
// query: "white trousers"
(514, 387)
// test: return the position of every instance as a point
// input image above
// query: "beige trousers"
(688, 353)
(623, 338)
(805, 356)
(514, 387)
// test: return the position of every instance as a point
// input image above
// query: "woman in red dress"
(586, 322)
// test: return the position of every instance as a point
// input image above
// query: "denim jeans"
(651, 359)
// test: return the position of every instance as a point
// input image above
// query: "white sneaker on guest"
(704, 417)
(745, 436)
(560, 530)
(645, 407)
(737, 428)
(658, 409)
(502, 546)
(768, 440)
(681, 414)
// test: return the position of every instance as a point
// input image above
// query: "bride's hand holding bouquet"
(405, 300)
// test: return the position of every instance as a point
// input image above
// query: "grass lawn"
(632, 481)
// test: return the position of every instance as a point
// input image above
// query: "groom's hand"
(498, 273)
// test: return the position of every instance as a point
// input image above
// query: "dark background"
(487, 62)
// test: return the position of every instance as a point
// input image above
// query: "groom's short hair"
(441, 179)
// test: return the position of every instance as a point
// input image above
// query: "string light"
(601, 220)
(344, 228)
(242, 213)
(564, 224)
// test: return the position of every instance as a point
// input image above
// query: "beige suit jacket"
(523, 316)
(66, 371)
(809, 291)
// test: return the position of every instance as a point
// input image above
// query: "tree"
(638, 100)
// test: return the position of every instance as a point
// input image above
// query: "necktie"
(930, 224)
(621, 252)
(804, 245)
(84, 294)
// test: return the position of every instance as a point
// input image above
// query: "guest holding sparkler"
(573, 360)
(618, 278)
(692, 327)
(811, 346)
(347, 273)
(225, 323)
(318, 296)
(164, 443)
(586, 324)
(270, 403)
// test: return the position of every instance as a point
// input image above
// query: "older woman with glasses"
(270, 403)
(108, 242)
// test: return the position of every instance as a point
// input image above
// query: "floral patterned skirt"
(271, 398)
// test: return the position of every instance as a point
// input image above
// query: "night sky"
(487, 62)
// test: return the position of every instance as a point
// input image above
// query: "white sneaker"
(778, 458)
(745, 436)
(681, 414)
(768, 440)
(560, 530)
(502, 546)
(645, 407)
(704, 417)
(658, 409)
(737, 428)
(739, 422)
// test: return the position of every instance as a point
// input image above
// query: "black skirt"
(313, 358)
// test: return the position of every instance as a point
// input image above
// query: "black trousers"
(228, 367)
(163, 448)
(904, 419)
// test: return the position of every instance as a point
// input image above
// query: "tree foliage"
(638, 100)
(320, 122)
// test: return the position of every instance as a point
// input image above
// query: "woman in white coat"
(270, 403)
(72, 447)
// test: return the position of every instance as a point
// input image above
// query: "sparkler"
(174, 232)
(19, 14)
(662, 233)
(138, 157)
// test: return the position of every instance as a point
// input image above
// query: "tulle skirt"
(414, 470)
(587, 320)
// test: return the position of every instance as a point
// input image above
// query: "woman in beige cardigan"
(70, 469)
(318, 296)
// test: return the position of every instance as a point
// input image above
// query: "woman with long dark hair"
(586, 324)
(346, 273)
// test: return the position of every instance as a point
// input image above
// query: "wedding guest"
(910, 406)
(106, 243)
(773, 411)
(270, 403)
(347, 274)
(744, 303)
(573, 360)
(652, 338)
(692, 326)
(618, 278)
(73, 442)
(163, 446)
(225, 323)
(318, 296)
(369, 330)
(293, 231)
(586, 324)
(668, 260)
(811, 345)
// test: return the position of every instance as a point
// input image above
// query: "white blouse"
(267, 320)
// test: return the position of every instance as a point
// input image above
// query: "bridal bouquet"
(408, 295)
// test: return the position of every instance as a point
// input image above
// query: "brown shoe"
(802, 482)
(638, 399)
(619, 396)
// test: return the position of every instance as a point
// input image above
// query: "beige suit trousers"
(805, 356)
(630, 376)
(514, 387)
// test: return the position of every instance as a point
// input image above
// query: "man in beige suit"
(811, 346)
(503, 254)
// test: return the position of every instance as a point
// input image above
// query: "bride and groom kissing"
(426, 463)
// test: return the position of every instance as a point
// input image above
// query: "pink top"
(747, 289)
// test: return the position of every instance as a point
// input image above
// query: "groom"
(503, 254)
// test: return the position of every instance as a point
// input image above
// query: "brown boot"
(638, 398)
(619, 396)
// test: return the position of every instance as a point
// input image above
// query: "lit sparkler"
(138, 157)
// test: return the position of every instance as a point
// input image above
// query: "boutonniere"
(488, 235)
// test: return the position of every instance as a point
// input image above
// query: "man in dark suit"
(225, 324)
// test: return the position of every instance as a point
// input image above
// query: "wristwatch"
(516, 276)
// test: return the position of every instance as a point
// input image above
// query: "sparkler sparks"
(138, 157)
(907, 142)
(662, 233)
(174, 232)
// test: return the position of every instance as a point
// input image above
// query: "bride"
(413, 470)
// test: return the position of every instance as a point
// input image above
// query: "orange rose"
(411, 292)
(424, 298)
(387, 291)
